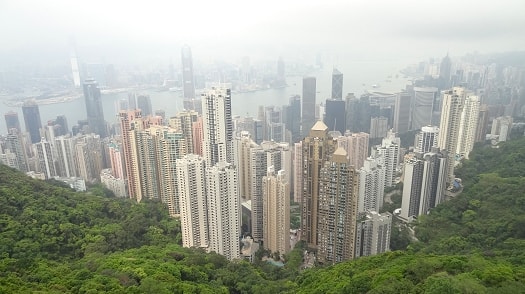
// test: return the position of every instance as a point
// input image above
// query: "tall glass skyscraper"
(335, 115)
(95, 113)
(308, 107)
(32, 120)
(187, 73)
(11, 121)
(337, 84)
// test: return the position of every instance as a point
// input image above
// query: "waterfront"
(358, 77)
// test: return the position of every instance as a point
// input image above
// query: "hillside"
(54, 240)
(489, 216)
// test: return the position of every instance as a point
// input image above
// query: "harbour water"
(358, 78)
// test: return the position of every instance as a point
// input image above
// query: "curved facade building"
(423, 104)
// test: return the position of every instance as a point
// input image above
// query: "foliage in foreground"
(55, 240)
(489, 216)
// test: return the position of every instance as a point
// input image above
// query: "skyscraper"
(11, 121)
(269, 154)
(46, 161)
(8, 158)
(155, 149)
(188, 83)
(426, 139)
(373, 234)
(468, 125)
(170, 145)
(337, 209)
(14, 143)
(217, 126)
(276, 199)
(298, 172)
(402, 112)
(116, 160)
(378, 127)
(89, 157)
(65, 150)
(356, 146)
(74, 63)
(389, 157)
(193, 203)
(335, 115)
(358, 113)
(501, 127)
(422, 107)
(144, 104)
(183, 123)
(32, 120)
(145, 167)
(198, 136)
(449, 127)
(434, 176)
(126, 118)
(483, 122)
(61, 121)
(317, 148)
(243, 147)
(412, 186)
(95, 113)
(132, 101)
(116, 185)
(308, 106)
(224, 211)
(444, 72)
(274, 126)
(423, 183)
(293, 117)
(371, 186)
(337, 85)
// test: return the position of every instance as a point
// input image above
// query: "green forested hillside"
(474, 243)
(489, 216)
(54, 240)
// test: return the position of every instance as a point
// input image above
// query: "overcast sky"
(125, 30)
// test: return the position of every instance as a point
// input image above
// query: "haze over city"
(262, 147)
(153, 31)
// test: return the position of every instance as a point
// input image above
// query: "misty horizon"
(340, 31)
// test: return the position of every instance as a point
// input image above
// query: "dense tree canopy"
(489, 216)
(53, 239)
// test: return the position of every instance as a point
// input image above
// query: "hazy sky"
(124, 30)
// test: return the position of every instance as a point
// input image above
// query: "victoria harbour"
(360, 77)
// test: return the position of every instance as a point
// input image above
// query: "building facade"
(95, 112)
(224, 211)
(371, 186)
(217, 126)
(317, 148)
(308, 105)
(32, 120)
(193, 203)
(373, 234)
(276, 220)
(452, 108)
(337, 209)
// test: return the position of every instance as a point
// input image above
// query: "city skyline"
(330, 131)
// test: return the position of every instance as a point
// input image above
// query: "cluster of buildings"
(231, 180)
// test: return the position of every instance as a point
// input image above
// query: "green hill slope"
(54, 240)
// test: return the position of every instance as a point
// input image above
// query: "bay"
(359, 76)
